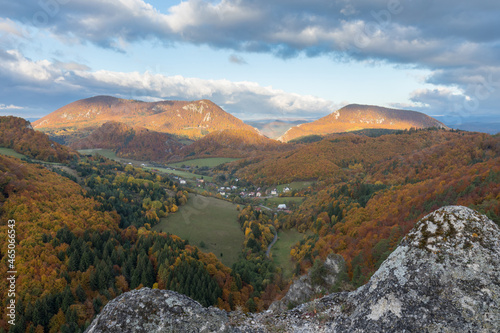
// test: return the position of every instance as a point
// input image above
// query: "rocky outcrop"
(444, 277)
(330, 273)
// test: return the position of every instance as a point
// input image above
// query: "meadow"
(210, 222)
(273, 202)
(298, 185)
(10, 152)
(204, 162)
(280, 252)
(188, 176)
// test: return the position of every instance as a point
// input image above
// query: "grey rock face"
(444, 277)
(303, 289)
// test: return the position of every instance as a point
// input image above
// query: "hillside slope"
(233, 143)
(189, 119)
(17, 133)
(137, 143)
(356, 117)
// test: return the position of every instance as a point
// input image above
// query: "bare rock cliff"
(444, 277)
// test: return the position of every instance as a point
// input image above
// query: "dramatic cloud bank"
(459, 41)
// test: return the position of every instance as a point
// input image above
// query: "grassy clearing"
(295, 185)
(108, 153)
(10, 152)
(280, 252)
(204, 162)
(188, 176)
(103, 152)
(210, 220)
(275, 201)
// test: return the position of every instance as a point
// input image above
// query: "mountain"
(131, 142)
(17, 133)
(356, 117)
(188, 119)
(443, 277)
(232, 143)
(274, 128)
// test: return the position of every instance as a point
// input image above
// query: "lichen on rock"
(444, 277)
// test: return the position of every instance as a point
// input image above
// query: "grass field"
(204, 162)
(294, 185)
(10, 152)
(280, 252)
(184, 174)
(275, 201)
(108, 153)
(210, 220)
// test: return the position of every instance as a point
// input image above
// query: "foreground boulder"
(444, 277)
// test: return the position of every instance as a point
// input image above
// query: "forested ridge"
(17, 133)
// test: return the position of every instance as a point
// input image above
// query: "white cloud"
(10, 107)
(244, 98)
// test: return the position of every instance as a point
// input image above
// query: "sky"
(283, 59)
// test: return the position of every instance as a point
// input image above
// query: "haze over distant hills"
(356, 117)
(274, 128)
(188, 119)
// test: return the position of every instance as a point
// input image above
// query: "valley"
(139, 208)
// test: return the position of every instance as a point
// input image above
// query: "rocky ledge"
(444, 277)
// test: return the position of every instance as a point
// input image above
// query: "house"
(286, 189)
(242, 193)
(200, 180)
(274, 192)
(182, 181)
(234, 187)
(222, 193)
(258, 194)
(282, 206)
(251, 194)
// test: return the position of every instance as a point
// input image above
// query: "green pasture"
(208, 220)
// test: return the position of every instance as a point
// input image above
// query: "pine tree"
(67, 299)
(74, 261)
(80, 293)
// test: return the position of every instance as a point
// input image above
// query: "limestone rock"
(303, 289)
(444, 277)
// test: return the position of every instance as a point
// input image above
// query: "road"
(271, 245)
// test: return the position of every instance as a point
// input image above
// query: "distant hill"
(232, 143)
(274, 128)
(188, 119)
(131, 142)
(17, 133)
(357, 117)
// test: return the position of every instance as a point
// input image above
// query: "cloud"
(244, 99)
(457, 40)
(236, 59)
(10, 107)
(401, 31)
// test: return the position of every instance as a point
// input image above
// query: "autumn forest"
(86, 224)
